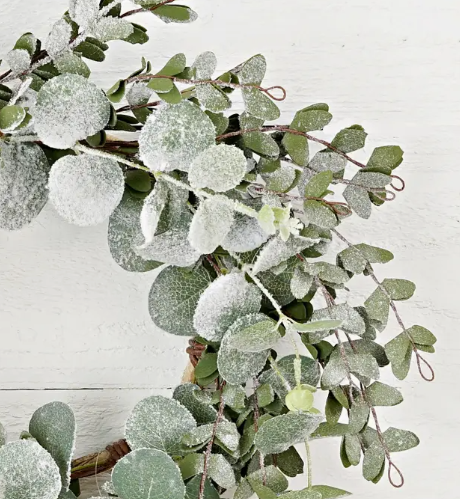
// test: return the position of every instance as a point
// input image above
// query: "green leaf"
(358, 200)
(400, 440)
(333, 409)
(397, 349)
(318, 184)
(202, 412)
(253, 70)
(158, 423)
(401, 370)
(265, 395)
(260, 143)
(11, 117)
(353, 449)
(234, 396)
(377, 308)
(212, 97)
(220, 471)
(174, 66)
(297, 147)
(90, 51)
(175, 14)
(28, 42)
(117, 91)
(281, 432)
(220, 121)
(386, 157)
(336, 370)
(271, 477)
(23, 184)
(380, 394)
(260, 335)
(147, 474)
(138, 36)
(174, 296)
(192, 489)
(325, 430)
(355, 258)
(28, 471)
(206, 365)
(399, 289)
(259, 105)
(290, 462)
(54, 428)
(374, 459)
(319, 214)
(236, 366)
(311, 118)
(315, 326)
(421, 335)
(359, 415)
(161, 85)
(303, 494)
(352, 322)
(350, 139)
(330, 492)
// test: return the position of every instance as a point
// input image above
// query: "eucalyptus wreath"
(241, 215)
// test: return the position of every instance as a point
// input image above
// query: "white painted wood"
(70, 318)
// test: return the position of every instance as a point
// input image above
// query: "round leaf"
(174, 136)
(158, 423)
(147, 474)
(259, 335)
(69, 108)
(85, 189)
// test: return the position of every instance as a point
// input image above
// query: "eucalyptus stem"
(309, 464)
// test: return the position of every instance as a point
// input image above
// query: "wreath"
(242, 215)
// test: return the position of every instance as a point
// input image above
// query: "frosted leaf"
(358, 200)
(336, 369)
(258, 104)
(377, 308)
(421, 335)
(355, 258)
(280, 285)
(212, 97)
(28, 471)
(59, 38)
(124, 236)
(23, 180)
(397, 349)
(152, 209)
(192, 489)
(281, 179)
(309, 374)
(138, 94)
(300, 283)
(174, 296)
(18, 60)
(11, 117)
(172, 245)
(272, 477)
(54, 428)
(84, 189)
(379, 394)
(226, 432)
(234, 396)
(221, 471)
(84, 12)
(235, 366)
(71, 62)
(374, 460)
(281, 432)
(352, 322)
(220, 168)
(327, 272)
(147, 474)
(399, 289)
(400, 440)
(256, 332)
(174, 136)
(327, 160)
(205, 64)
(277, 251)
(175, 14)
(2, 435)
(112, 28)
(222, 303)
(202, 412)
(358, 415)
(371, 179)
(158, 423)
(210, 225)
(317, 213)
(253, 70)
(69, 108)
(245, 234)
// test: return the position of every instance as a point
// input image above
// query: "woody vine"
(240, 215)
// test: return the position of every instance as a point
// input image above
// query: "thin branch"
(420, 359)
(208, 451)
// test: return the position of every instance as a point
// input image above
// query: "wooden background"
(75, 327)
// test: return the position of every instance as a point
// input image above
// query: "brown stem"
(420, 359)
(207, 453)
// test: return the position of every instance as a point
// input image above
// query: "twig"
(370, 271)
(207, 453)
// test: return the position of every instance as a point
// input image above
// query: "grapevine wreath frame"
(239, 213)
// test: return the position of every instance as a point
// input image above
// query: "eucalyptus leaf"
(202, 412)
(261, 334)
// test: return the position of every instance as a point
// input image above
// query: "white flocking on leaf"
(211, 224)
(84, 12)
(174, 296)
(124, 236)
(220, 168)
(84, 189)
(352, 322)
(158, 423)
(151, 212)
(58, 38)
(203, 412)
(174, 136)
(261, 334)
(28, 471)
(223, 301)
(112, 28)
(69, 108)
(147, 474)
(235, 366)
(281, 432)
(54, 428)
(245, 234)
(204, 66)
(300, 283)
(23, 184)
(18, 60)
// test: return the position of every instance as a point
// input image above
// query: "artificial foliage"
(240, 214)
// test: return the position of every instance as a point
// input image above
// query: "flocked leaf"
(400, 440)
(158, 423)
(355, 258)
(260, 334)
(380, 394)
(201, 411)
